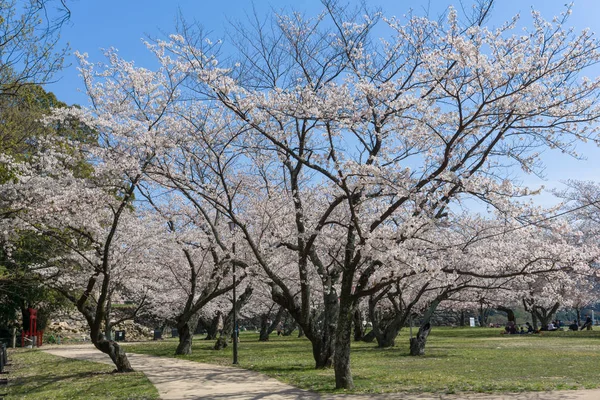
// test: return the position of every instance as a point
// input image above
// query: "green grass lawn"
(457, 360)
(37, 375)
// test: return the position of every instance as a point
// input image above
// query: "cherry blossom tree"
(508, 261)
(334, 153)
(129, 115)
(78, 216)
(391, 132)
(195, 264)
(581, 205)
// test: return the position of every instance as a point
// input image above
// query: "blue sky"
(122, 24)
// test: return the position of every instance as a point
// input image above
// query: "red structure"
(30, 328)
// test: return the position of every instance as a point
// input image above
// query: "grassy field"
(457, 360)
(37, 375)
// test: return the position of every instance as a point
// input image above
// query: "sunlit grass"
(36, 375)
(457, 360)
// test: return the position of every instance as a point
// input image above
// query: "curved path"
(178, 379)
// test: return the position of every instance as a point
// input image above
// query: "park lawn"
(34, 374)
(457, 360)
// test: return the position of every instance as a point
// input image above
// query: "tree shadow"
(45, 380)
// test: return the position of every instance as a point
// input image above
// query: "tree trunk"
(534, 321)
(185, 339)
(386, 329)
(300, 331)
(510, 314)
(343, 331)
(417, 344)
(484, 313)
(116, 354)
(387, 338)
(213, 328)
(386, 326)
(322, 339)
(265, 328)
(107, 324)
(545, 315)
(227, 331)
(221, 343)
(108, 331)
(359, 329)
(289, 327)
(544, 321)
(95, 316)
(322, 353)
(318, 329)
(202, 326)
(343, 334)
(369, 337)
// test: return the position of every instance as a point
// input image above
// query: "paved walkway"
(178, 379)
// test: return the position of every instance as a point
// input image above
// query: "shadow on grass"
(38, 381)
(289, 368)
(431, 351)
(97, 387)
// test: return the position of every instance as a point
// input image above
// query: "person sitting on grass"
(529, 327)
(574, 326)
(510, 328)
(551, 326)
